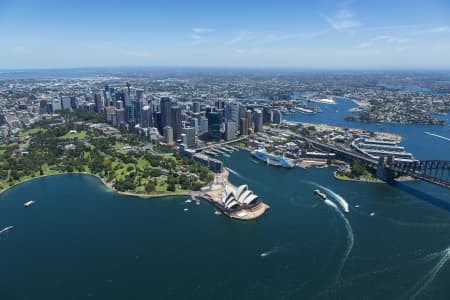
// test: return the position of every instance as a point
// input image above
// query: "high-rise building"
(230, 130)
(98, 100)
(243, 126)
(249, 117)
(232, 112)
(267, 115)
(276, 116)
(110, 113)
(120, 116)
(189, 137)
(175, 119)
(194, 123)
(65, 101)
(165, 105)
(56, 105)
(168, 135)
(214, 124)
(140, 95)
(203, 125)
(196, 107)
(258, 120)
(129, 113)
(146, 119)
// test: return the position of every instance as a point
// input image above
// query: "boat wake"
(234, 173)
(437, 135)
(274, 250)
(335, 196)
(350, 241)
(423, 283)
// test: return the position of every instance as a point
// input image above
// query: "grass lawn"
(32, 131)
(69, 136)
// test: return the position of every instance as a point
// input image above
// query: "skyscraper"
(168, 135)
(230, 130)
(276, 116)
(99, 104)
(243, 126)
(258, 120)
(214, 123)
(165, 105)
(175, 120)
(146, 120)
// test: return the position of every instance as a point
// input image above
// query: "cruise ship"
(271, 159)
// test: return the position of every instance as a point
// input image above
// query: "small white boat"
(186, 209)
(372, 214)
(188, 201)
(29, 203)
(6, 229)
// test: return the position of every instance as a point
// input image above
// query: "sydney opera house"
(239, 198)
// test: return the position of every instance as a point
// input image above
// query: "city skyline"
(322, 35)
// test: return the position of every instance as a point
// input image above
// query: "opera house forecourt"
(235, 202)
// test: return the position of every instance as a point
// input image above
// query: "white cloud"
(241, 36)
(278, 37)
(343, 21)
(386, 39)
(440, 29)
(365, 45)
(202, 30)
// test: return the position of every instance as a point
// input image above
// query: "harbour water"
(415, 139)
(81, 241)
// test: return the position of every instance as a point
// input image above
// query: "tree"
(358, 169)
(150, 187)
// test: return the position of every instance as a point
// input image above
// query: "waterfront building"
(235, 198)
(230, 130)
(258, 120)
(243, 126)
(276, 116)
(168, 135)
(249, 117)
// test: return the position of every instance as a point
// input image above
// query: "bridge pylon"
(384, 173)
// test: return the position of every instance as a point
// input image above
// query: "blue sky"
(320, 34)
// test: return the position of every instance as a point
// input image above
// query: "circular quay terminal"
(224, 150)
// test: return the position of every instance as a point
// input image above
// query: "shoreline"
(375, 180)
(106, 184)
